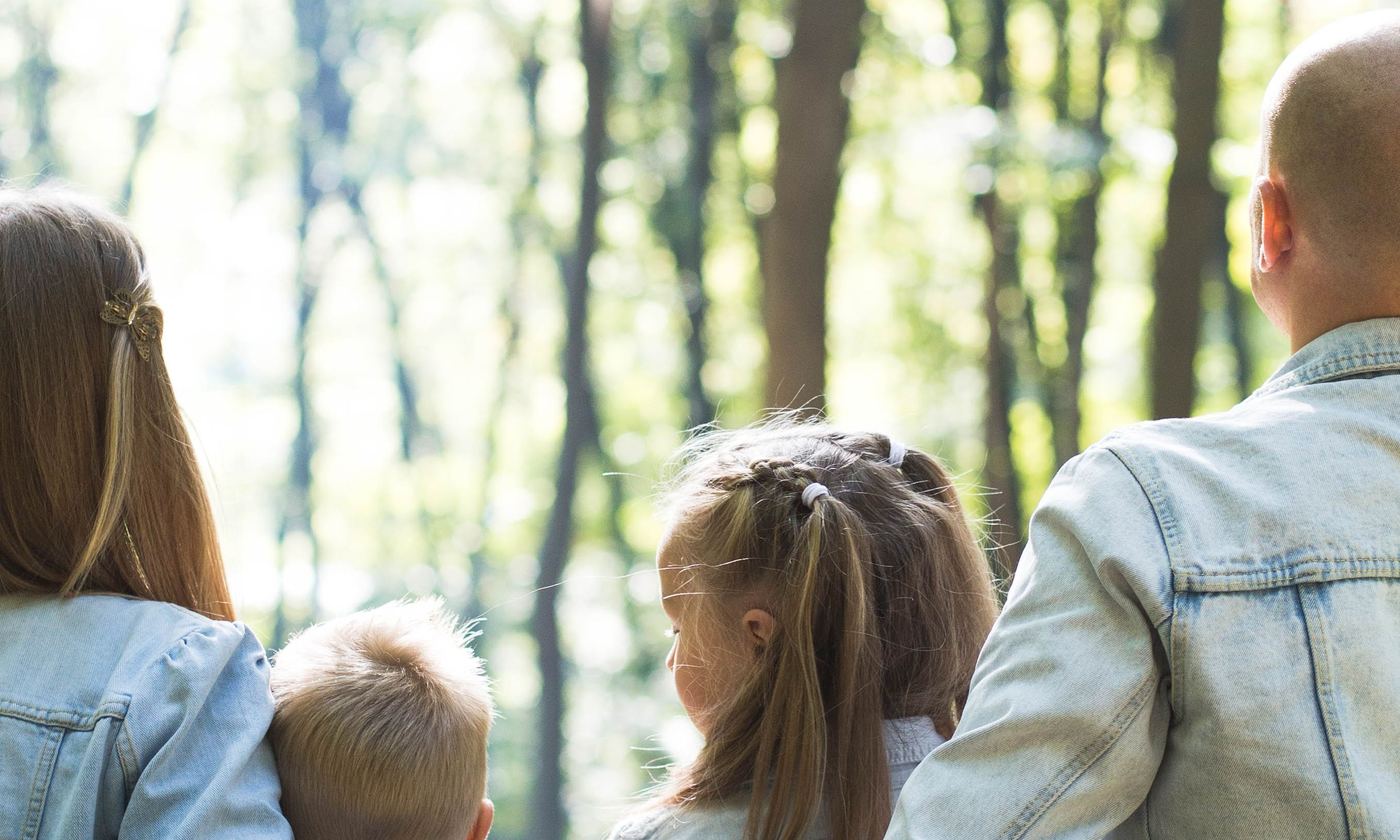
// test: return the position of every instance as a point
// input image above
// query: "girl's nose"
(671, 659)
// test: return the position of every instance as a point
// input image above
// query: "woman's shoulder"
(117, 614)
(172, 708)
(92, 648)
(667, 822)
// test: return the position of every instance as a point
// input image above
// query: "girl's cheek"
(691, 694)
(689, 676)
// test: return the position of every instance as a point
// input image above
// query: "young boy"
(380, 728)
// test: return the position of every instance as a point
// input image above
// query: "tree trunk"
(1234, 301)
(548, 820)
(1078, 242)
(39, 75)
(813, 111)
(999, 366)
(146, 123)
(415, 435)
(321, 134)
(1003, 273)
(708, 44)
(524, 210)
(1191, 233)
(297, 507)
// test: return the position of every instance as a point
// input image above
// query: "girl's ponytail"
(789, 769)
(823, 736)
(961, 567)
(855, 731)
(881, 598)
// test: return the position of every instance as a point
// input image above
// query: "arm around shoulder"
(1066, 721)
(193, 747)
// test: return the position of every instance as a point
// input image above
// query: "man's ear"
(1274, 219)
(484, 818)
(759, 627)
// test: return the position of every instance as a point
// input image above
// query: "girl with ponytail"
(131, 704)
(828, 601)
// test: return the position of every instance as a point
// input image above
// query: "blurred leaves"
(448, 205)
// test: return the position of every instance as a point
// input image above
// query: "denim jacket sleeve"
(193, 748)
(1067, 717)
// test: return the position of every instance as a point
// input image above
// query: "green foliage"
(441, 141)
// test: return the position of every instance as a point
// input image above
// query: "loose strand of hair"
(116, 471)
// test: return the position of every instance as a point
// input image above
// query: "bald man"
(1203, 638)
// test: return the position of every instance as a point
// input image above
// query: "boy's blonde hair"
(381, 726)
(882, 595)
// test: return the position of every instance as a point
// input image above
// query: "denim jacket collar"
(1351, 349)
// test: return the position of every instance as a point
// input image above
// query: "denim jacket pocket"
(1299, 620)
(33, 741)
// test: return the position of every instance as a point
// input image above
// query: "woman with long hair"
(131, 703)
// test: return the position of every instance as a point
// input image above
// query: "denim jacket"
(132, 719)
(907, 742)
(1203, 638)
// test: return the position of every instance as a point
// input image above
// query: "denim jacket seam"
(1321, 566)
(1326, 708)
(132, 754)
(1327, 368)
(43, 772)
(62, 719)
(1169, 533)
(127, 758)
(1086, 758)
(1177, 633)
(1167, 530)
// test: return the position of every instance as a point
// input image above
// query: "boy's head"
(381, 727)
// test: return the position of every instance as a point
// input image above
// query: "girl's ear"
(759, 627)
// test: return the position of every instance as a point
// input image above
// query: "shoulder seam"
(1167, 530)
(1161, 511)
(210, 629)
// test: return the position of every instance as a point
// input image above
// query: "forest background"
(447, 281)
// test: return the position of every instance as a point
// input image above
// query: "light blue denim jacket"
(132, 719)
(1203, 638)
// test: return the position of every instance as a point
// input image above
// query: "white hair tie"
(812, 492)
(897, 453)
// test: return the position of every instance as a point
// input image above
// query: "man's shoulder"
(1290, 473)
(1254, 435)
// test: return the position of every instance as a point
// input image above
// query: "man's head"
(1326, 205)
(381, 727)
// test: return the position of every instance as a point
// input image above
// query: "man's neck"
(1301, 335)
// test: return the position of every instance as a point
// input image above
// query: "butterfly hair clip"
(143, 319)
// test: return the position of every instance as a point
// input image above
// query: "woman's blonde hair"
(100, 490)
(882, 598)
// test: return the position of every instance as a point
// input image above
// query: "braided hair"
(859, 548)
